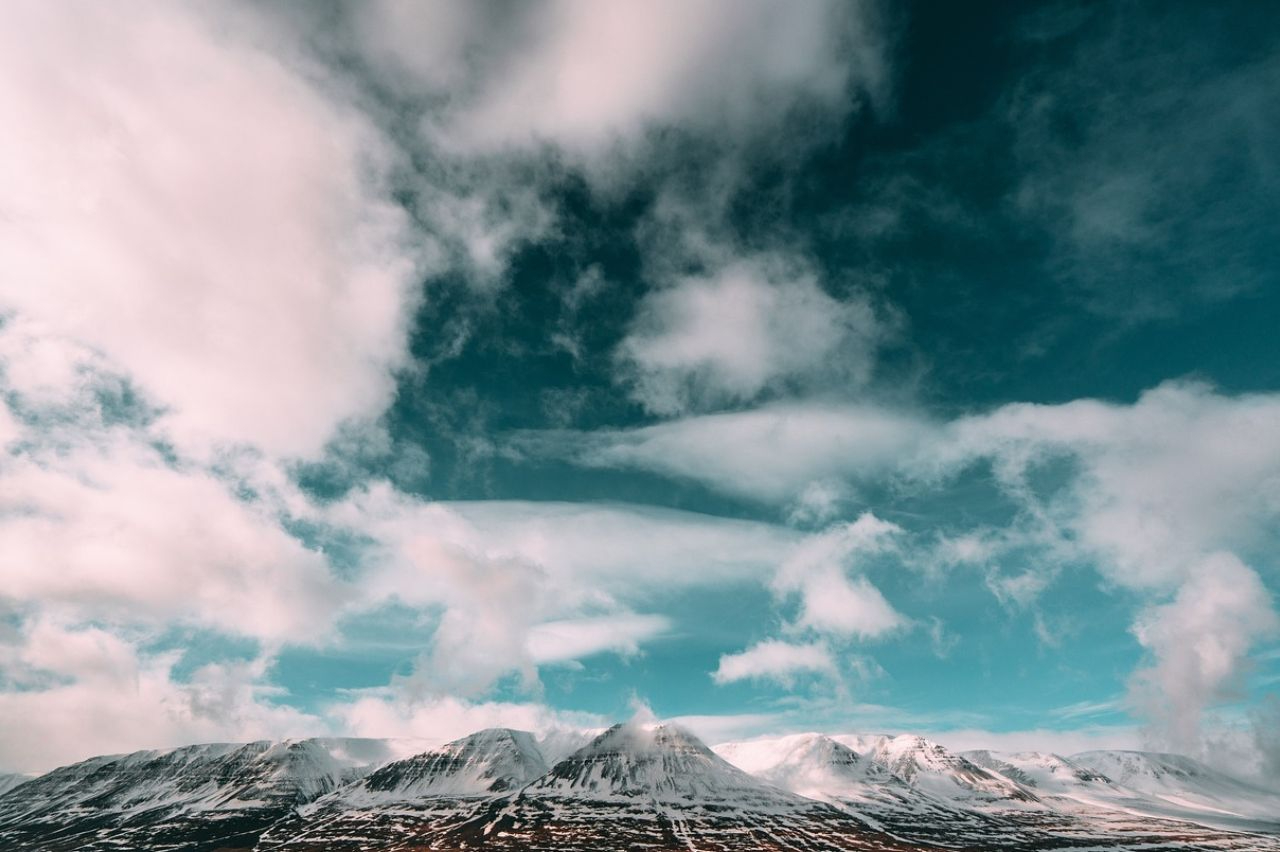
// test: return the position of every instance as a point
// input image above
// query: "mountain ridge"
(634, 785)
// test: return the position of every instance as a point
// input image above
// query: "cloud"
(753, 325)
(831, 602)
(381, 713)
(774, 452)
(1159, 194)
(209, 213)
(117, 534)
(775, 660)
(1063, 742)
(517, 584)
(573, 639)
(591, 78)
(1157, 485)
(1167, 497)
(1148, 493)
(1199, 642)
(85, 691)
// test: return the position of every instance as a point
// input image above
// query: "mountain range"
(633, 786)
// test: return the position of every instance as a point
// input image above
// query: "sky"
(403, 369)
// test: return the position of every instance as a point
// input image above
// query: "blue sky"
(398, 370)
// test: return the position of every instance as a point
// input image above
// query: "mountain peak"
(649, 759)
(490, 761)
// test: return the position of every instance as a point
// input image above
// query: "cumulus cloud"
(831, 601)
(206, 215)
(100, 523)
(590, 78)
(775, 660)
(1199, 642)
(1167, 497)
(753, 325)
(86, 691)
(123, 537)
(1159, 484)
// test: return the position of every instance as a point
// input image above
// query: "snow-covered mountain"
(918, 791)
(632, 786)
(635, 785)
(490, 761)
(417, 795)
(1178, 786)
(812, 765)
(929, 767)
(226, 793)
(1045, 774)
(9, 780)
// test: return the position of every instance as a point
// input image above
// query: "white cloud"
(1167, 497)
(752, 325)
(383, 713)
(1199, 642)
(89, 692)
(833, 603)
(775, 660)
(589, 77)
(116, 533)
(1181, 473)
(516, 584)
(773, 453)
(1063, 742)
(830, 601)
(573, 639)
(208, 213)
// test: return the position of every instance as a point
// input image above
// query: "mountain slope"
(965, 813)
(1045, 774)
(927, 766)
(209, 796)
(1178, 786)
(9, 780)
(414, 796)
(634, 786)
(657, 786)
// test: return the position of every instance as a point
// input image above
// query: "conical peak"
(643, 758)
(641, 737)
